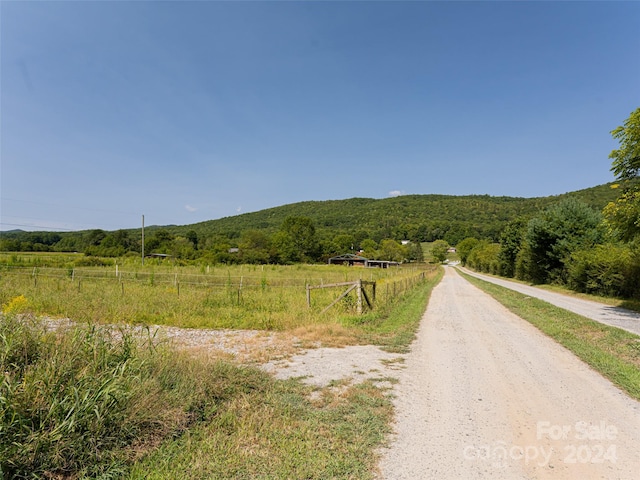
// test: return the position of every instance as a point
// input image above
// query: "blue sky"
(191, 111)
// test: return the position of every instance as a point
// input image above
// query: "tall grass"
(273, 298)
(87, 400)
(278, 433)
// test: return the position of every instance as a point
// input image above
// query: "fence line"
(389, 289)
(172, 277)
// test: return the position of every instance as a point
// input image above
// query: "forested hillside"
(419, 218)
(313, 230)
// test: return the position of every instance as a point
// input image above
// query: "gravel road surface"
(614, 316)
(485, 395)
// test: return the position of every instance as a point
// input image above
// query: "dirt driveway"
(485, 395)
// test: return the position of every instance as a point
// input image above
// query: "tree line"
(572, 244)
(296, 240)
(340, 226)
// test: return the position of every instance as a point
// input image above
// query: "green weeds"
(395, 328)
(278, 433)
(247, 297)
(90, 401)
(87, 402)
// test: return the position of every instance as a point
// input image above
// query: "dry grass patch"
(325, 335)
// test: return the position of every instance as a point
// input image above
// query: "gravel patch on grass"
(322, 366)
(279, 353)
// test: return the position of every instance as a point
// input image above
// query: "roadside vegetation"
(571, 244)
(98, 401)
(613, 352)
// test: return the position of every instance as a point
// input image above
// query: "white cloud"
(396, 193)
(189, 208)
(239, 209)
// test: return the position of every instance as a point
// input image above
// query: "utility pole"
(143, 240)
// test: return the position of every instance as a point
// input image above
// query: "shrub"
(465, 247)
(610, 270)
(484, 257)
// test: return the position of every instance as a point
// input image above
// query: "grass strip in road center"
(613, 352)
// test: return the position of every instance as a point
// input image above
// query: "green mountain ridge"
(402, 217)
(418, 218)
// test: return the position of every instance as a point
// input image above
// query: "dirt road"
(485, 395)
(616, 317)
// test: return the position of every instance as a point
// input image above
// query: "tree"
(626, 159)
(392, 251)
(415, 252)
(302, 233)
(182, 247)
(369, 248)
(94, 237)
(510, 244)
(484, 257)
(254, 246)
(464, 248)
(553, 235)
(285, 250)
(623, 215)
(159, 242)
(344, 243)
(192, 236)
(439, 251)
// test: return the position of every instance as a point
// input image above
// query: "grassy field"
(94, 402)
(249, 297)
(613, 352)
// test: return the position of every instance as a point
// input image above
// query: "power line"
(55, 229)
(48, 204)
(53, 224)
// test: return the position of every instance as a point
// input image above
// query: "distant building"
(159, 255)
(358, 261)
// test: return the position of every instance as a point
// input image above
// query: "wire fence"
(271, 299)
(207, 280)
(390, 286)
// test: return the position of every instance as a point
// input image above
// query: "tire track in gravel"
(485, 395)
